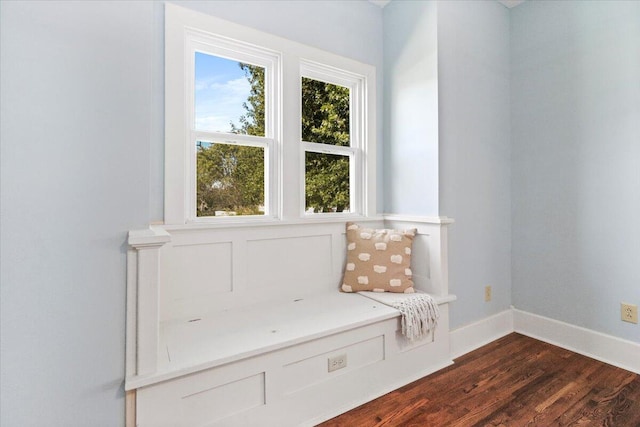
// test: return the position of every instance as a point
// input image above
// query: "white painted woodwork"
(187, 29)
(313, 370)
(190, 345)
(296, 389)
(143, 306)
(613, 350)
(215, 403)
(252, 265)
(596, 345)
(234, 326)
(476, 334)
(430, 248)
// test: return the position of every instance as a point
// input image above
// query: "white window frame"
(230, 49)
(187, 31)
(355, 83)
(180, 110)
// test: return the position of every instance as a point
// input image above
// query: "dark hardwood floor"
(514, 381)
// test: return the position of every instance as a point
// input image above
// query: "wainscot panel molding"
(256, 311)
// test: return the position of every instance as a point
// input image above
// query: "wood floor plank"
(513, 381)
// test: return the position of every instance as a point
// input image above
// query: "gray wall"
(576, 161)
(447, 137)
(76, 102)
(81, 163)
(411, 108)
(475, 170)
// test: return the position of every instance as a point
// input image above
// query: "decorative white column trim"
(143, 265)
(150, 237)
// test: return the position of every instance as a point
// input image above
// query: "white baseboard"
(596, 345)
(482, 332)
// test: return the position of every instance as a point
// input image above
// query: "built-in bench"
(235, 353)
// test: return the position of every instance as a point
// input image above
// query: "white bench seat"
(264, 354)
(192, 345)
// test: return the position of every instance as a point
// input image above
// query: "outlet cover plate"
(629, 313)
(337, 362)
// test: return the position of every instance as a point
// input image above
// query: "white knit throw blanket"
(419, 311)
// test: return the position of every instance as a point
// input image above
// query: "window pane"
(229, 96)
(325, 113)
(230, 180)
(326, 183)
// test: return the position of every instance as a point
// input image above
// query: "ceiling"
(507, 3)
(511, 3)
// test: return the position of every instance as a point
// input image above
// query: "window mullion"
(291, 180)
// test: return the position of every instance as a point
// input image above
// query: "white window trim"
(286, 200)
(355, 83)
(198, 41)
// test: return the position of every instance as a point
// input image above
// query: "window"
(230, 136)
(259, 128)
(331, 139)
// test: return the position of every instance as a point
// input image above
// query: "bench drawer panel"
(213, 404)
(207, 398)
(313, 370)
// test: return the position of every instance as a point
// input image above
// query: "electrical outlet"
(629, 313)
(337, 362)
(487, 293)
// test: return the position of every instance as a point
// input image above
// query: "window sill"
(244, 222)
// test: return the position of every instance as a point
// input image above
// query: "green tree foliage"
(325, 120)
(252, 123)
(327, 182)
(325, 113)
(231, 178)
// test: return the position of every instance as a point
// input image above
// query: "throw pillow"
(378, 260)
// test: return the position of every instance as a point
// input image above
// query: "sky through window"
(220, 90)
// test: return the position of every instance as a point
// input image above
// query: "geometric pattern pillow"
(378, 260)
